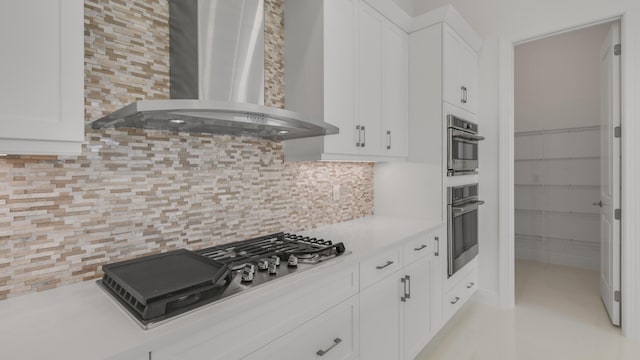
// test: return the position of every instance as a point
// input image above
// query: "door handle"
(437, 240)
(364, 136)
(464, 94)
(408, 286)
(404, 297)
(599, 203)
(389, 139)
(336, 342)
(359, 136)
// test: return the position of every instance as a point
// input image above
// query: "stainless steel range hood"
(217, 78)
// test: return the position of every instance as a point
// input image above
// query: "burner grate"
(279, 244)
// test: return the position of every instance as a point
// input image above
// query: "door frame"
(630, 203)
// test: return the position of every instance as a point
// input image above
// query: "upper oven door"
(463, 150)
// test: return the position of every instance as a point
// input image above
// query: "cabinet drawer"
(419, 246)
(456, 297)
(332, 335)
(379, 266)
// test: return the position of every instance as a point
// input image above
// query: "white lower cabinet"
(460, 291)
(332, 335)
(395, 312)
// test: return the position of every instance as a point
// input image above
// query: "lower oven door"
(463, 235)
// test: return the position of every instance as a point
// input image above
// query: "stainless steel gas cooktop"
(155, 288)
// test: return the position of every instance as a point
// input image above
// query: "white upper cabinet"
(42, 72)
(395, 91)
(351, 70)
(460, 66)
(370, 104)
(339, 80)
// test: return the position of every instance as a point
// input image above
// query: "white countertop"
(80, 321)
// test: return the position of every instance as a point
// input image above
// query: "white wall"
(513, 20)
(557, 148)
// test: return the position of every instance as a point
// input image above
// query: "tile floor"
(558, 315)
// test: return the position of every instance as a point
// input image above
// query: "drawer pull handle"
(380, 267)
(470, 285)
(420, 248)
(455, 300)
(336, 342)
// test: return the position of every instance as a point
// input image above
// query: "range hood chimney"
(217, 78)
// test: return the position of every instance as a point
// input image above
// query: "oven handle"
(466, 135)
(459, 210)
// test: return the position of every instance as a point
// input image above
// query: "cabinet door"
(469, 76)
(460, 71)
(380, 320)
(340, 74)
(42, 87)
(395, 90)
(438, 277)
(417, 327)
(370, 26)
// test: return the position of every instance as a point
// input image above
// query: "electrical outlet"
(336, 192)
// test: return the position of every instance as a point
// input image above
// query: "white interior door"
(610, 174)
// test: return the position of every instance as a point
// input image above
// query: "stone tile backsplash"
(137, 192)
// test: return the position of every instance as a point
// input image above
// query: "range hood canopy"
(217, 78)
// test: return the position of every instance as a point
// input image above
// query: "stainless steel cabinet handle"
(388, 139)
(380, 267)
(404, 292)
(408, 286)
(599, 203)
(464, 94)
(437, 240)
(336, 342)
(359, 136)
(455, 300)
(364, 136)
(420, 248)
(470, 285)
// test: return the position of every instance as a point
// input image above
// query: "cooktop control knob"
(276, 260)
(273, 268)
(293, 261)
(250, 268)
(247, 276)
(263, 264)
